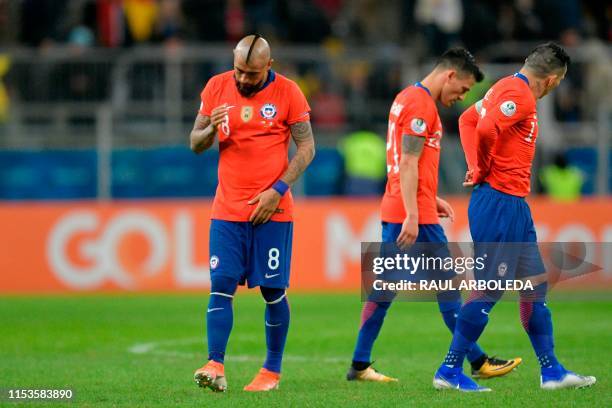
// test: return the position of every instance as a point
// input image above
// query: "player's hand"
(409, 232)
(472, 177)
(444, 209)
(267, 205)
(218, 115)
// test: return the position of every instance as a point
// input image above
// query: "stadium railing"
(116, 102)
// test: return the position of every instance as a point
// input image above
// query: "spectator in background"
(235, 21)
(328, 108)
(5, 64)
(78, 80)
(517, 20)
(205, 19)
(111, 23)
(82, 31)
(560, 18)
(441, 21)
(269, 18)
(598, 15)
(596, 93)
(5, 27)
(307, 23)
(365, 159)
(569, 94)
(169, 22)
(331, 8)
(560, 181)
(480, 24)
(40, 21)
(366, 22)
(356, 91)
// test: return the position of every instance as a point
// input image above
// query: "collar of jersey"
(271, 78)
(420, 85)
(523, 77)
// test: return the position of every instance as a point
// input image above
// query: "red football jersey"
(508, 119)
(413, 113)
(253, 142)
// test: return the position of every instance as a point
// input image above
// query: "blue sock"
(277, 326)
(450, 311)
(220, 316)
(537, 322)
(471, 322)
(372, 318)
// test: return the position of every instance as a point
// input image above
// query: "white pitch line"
(152, 348)
(142, 348)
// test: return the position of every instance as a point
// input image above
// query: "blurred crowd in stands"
(346, 95)
(440, 23)
(428, 26)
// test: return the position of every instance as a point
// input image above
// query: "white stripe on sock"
(277, 300)
(221, 294)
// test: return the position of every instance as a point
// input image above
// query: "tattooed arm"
(202, 135)
(304, 140)
(204, 129)
(412, 146)
(267, 201)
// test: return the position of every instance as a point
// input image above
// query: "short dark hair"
(546, 59)
(462, 60)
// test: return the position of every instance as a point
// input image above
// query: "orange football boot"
(265, 380)
(212, 375)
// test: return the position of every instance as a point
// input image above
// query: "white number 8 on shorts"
(273, 261)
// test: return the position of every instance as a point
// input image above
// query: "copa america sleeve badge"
(508, 108)
(418, 126)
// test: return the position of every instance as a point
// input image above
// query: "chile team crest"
(268, 111)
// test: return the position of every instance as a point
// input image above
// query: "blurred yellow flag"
(141, 16)
(5, 63)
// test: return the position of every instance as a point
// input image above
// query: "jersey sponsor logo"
(214, 262)
(508, 108)
(246, 113)
(268, 111)
(270, 276)
(418, 125)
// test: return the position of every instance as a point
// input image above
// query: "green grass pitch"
(142, 351)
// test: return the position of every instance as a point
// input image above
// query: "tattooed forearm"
(409, 172)
(202, 135)
(412, 145)
(304, 140)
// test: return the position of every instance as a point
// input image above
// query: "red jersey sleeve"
(299, 110)
(206, 98)
(508, 108)
(416, 118)
(467, 133)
